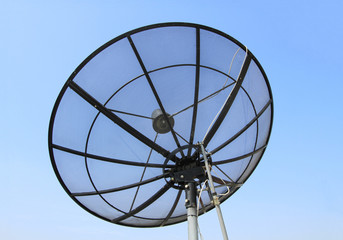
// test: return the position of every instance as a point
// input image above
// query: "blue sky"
(295, 191)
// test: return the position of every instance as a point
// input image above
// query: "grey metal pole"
(214, 195)
(191, 206)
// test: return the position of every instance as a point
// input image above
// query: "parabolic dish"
(124, 132)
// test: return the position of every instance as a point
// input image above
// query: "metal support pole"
(191, 211)
(214, 195)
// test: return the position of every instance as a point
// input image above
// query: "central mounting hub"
(187, 169)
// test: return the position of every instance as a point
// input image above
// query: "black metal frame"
(196, 90)
(228, 102)
(109, 113)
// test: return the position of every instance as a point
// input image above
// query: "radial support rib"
(154, 91)
(243, 129)
(143, 205)
(229, 101)
(196, 89)
(112, 160)
(143, 173)
(173, 208)
(240, 157)
(121, 188)
(128, 128)
(220, 181)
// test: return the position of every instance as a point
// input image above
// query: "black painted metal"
(172, 208)
(131, 114)
(107, 112)
(143, 205)
(191, 194)
(107, 159)
(143, 173)
(165, 115)
(189, 174)
(96, 104)
(243, 129)
(140, 183)
(196, 89)
(228, 102)
(240, 157)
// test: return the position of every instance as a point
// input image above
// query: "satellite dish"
(157, 116)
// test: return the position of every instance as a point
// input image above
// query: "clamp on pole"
(215, 198)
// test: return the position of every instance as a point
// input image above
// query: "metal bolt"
(186, 186)
(182, 176)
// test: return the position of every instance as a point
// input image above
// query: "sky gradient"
(294, 193)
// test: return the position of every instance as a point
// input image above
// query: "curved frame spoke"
(196, 90)
(131, 114)
(154, 92)
(240, 157)
(127, 217)
(243, 129)
(144, 205)
(228, 103)
(203, 99)
(112, 160)
(224, 173)
(111, 190)
(143, 173)
(182, 137)
(177, 199)
(101, 108)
